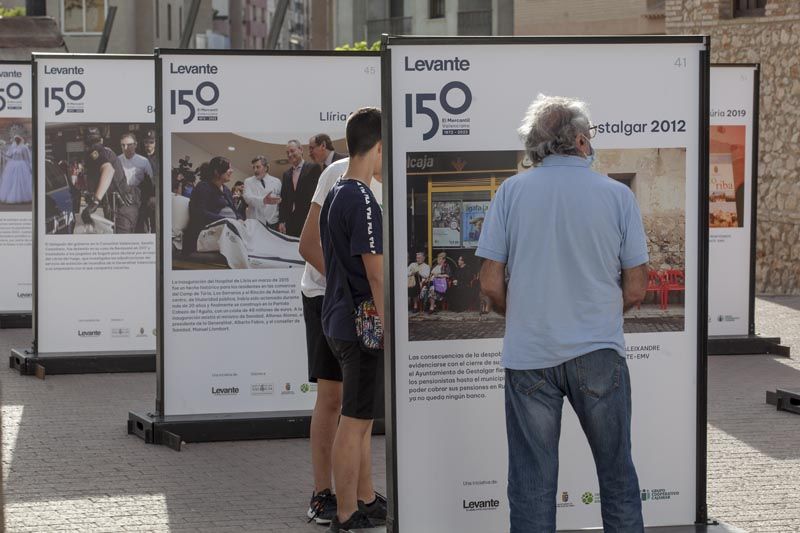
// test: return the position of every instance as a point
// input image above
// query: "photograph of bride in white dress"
(16, 167)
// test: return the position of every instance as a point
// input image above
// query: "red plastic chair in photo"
(656, 283)
(675, 282)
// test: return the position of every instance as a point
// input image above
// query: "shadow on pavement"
(69, 464)
(792, 302)
(737, 403)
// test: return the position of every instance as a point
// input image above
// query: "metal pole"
(191, 19)
(277, 24)
(112, 12)
(235, 21)
(35, 8)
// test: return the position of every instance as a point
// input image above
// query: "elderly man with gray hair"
(565, 255)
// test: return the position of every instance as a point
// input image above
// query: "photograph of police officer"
(100, 178)
(108, 187)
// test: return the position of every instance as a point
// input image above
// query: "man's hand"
(271, 200)
(91, 206)
(282, 227)
(373, 266)
(493, 284)
(634, 286)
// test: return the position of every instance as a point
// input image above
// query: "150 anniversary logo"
(67, 97)
(454, 99)
(11, 93)
(198, 102)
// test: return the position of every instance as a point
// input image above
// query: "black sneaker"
(358, 521)
(322, 507)
(375, 511)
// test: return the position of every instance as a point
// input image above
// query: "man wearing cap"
(149, 142)
(148, 211)
(262, 193)
(108, 185)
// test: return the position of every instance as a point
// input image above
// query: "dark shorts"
(362, 383)
(125, 218)
(321, 362)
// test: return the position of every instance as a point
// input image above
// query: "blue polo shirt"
(564, 233)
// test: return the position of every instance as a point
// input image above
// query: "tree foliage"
(360, 46)
(11, 11)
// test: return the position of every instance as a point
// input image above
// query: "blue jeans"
(598, 387)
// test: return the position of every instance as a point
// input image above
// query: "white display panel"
(94, 286)
(232, 326)
(455, 110)
(731, 134)
(16, 195)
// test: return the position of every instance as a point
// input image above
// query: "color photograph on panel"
(448, 196)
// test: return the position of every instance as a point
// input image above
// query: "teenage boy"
(351, 229)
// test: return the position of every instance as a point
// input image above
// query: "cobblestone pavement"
(446, 325)
(70, 466)
(754, 450)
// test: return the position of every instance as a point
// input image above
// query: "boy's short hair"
(363, 130)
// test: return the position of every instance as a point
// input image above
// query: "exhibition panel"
(733, 207)
(94, 219)
(733, 96)
(232, 335)
(16, 188)
(451, 141)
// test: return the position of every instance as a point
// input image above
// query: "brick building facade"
(772, 38)
(588, 17)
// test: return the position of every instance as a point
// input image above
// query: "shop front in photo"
(448, 196)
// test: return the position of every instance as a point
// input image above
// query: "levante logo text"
(480, 505)
(422, 65)
(72, 71)
(89, 333)
(193, 69)
(224, 391)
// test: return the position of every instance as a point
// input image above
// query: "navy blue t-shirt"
(350, 225)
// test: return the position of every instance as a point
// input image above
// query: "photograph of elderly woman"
(448, 196)
(239, 201)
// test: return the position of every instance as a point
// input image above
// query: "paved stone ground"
(448, 325)
(70, 466)
(754, 450)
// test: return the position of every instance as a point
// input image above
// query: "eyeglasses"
(592, 132)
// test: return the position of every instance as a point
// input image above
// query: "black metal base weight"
(15, 320)
(746, 345)
(174, 431)
(712, 527)
(785, 400)
(29, 363)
